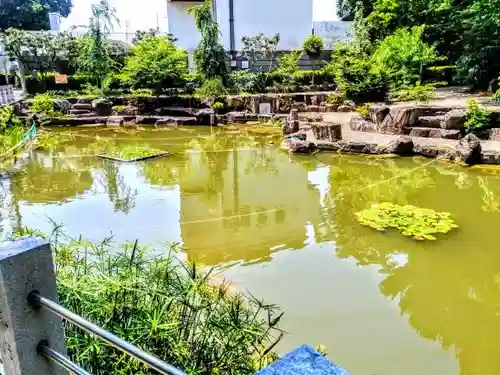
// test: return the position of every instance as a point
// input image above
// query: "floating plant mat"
(130, 154)
(419, 223)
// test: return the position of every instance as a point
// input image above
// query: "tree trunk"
(22, 76)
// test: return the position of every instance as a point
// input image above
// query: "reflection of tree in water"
(450, 289)
(119, 192)
(45, 179)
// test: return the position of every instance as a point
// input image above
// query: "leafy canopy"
(155, 63)
(31, 14)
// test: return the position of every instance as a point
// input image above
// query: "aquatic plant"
(173, 310)
(131, 152)
(419, 223)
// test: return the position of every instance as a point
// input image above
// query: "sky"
(144, 14)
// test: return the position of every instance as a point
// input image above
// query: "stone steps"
(426, 132)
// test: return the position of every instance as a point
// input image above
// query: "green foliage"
(247, 81)
(209, 55)
(155, 63)
(212, 89)
(11, 132)
(477, 118)
(192, 82)
(43, 105)
(119, 108)
(76, 82)
(364, 110)
(283, 76)
(417, 92)
(173, 310)
(218, 105)
(313, 46)
(355, 74)
(31, 15)
(335, 99)
(419, 223)
(403, 54)
(258, 48)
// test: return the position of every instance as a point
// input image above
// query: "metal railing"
(38, 301)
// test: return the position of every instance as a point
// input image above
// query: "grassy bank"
(162, 305)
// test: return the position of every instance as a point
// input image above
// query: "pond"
(284, 228)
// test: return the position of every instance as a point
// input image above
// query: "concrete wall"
(292, 19)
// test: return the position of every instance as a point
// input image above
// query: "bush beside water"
(171, 309)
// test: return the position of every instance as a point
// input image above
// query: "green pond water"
(284, 228)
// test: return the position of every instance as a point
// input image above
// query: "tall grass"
(162, 305)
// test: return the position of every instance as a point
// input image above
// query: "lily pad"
(419, 223)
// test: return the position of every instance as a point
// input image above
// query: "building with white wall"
(292, 19)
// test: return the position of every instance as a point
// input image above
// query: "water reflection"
(235, 200)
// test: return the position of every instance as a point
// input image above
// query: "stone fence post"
(26, 264)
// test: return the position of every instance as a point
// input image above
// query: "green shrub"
(313, 46)
(218, 105)
(418, 92)
(155, 63)
(192, 82)
(75, 83)
(119, 108)
(335, 99)
(247, 81)
(478, 118)
(364, 110)
(173, 310)
(212, 89)
(43, 105)
(356, 76)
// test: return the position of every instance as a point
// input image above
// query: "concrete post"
(26, 264)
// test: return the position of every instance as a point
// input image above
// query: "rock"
(315, 108)
(146, 120)
(131, 110)
(331, 107)
(360, 147)
(491, 158)
(327, 131)
(62, 105)
(85, 106)
(359, 124)
(402, 116)
(378, 113)
(495, 134)
(294, 115)
(78, 112)
(400, 146)
(469, 149)
(443, 133)
(454, 119)
(300, 106)
(240, 117)
(102, 107)
(344, 108)
(114, 121)
(430, 121)
(84, 101)
(314, 100)
(291, 127)
(205, 116)
(296, 146)
(425, 150)
(419, 132)
(301, 136)
(171, 120)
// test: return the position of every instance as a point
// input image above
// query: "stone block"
(327, 131)
(419, 132)
(303, 361)
(454, 119)
(378, 113)
(430, 122)
(115, 121)
(26, 265)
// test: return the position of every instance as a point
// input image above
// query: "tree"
(260, 47)
(94, 58)
(139, 34)
(209, 55)
(155, 63)
(36, 50)
(31, 14)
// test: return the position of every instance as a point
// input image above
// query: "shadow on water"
(232, 199)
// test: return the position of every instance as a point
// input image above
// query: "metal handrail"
(37, 301)
(61, 360)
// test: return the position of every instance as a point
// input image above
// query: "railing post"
(25, 265)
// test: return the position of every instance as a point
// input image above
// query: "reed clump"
(162, 305)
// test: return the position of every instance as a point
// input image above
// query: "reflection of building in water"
(266, 201)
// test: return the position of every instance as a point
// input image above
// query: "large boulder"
(359, 124)
(378, 113)
(205, 116)
(443, 133)
(297, 146)
(83, 106)
(454, 119)
(400, 146)
(430, 121)
(402, 116)
(62, 105)
(494, 134)
(345, 108)
(325, 131)
(419, 132)
(102, 107)
(469, 149)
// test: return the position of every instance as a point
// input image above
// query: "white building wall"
(292, 19)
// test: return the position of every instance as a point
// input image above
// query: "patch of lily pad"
(130, 154)
(418, 223)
